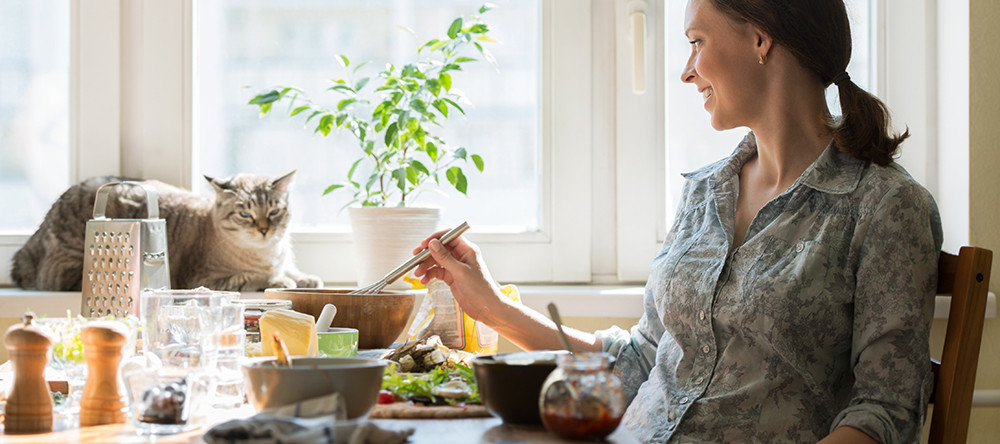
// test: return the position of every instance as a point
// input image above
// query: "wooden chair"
(966, 278)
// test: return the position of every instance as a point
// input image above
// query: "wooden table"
(467, 430)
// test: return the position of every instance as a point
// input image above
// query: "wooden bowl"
(379, 318)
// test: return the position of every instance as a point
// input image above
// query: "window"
(34, 109)
(265, 44)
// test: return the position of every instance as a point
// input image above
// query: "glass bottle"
(581, 398)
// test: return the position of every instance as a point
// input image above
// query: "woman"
(793, 297)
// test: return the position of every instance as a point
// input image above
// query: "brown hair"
(818, 34)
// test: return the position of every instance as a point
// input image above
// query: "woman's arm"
(848, 435)
(460, 264)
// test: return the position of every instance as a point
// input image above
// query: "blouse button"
(684, 400)
(701, 314)
(799, 247)
(706, 349)
(699, 380)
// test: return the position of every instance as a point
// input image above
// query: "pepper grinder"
(102, 350)
(29, 406)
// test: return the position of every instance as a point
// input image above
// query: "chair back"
(966, 278)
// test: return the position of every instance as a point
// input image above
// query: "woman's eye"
(273, 212)
(244, 214)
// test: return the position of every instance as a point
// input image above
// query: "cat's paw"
(309, 281)
(281, 282)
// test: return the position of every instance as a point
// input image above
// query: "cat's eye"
(273, 212)
(244, 214)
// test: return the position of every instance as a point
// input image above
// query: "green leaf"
(412, 124)
(265, 98)
(265, 108)
(431, 149)
(332, 188)
(429, 43)
(486, 7)
(411, 175)
(465, 59)
(476, 159)
(479, 28)
(460, 153)
(420, 167)
(344, 103)
(454, 28)
(298, 110)
(434, 86)
(457, 179)
(399, 175)
(314, 114)
(369, 147)
(455, 105)
(445, 81)
(341, 118)
(354, 166)
(325, 125)
(439, 45)
(342, 88)
(419, 105)
(361, 83)
(343, 60)
(390, 133)
(441, 106)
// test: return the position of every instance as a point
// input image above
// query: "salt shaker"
(29, 406)
(102, 350)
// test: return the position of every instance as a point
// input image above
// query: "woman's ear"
(764, 42)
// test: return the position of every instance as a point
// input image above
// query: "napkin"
(316, 420)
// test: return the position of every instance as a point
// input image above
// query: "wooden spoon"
(281, 351)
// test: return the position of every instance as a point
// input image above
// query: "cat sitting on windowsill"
(236, 240)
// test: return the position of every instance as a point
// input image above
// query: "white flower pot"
(384, 238)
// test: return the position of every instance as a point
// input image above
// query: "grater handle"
(101, 201)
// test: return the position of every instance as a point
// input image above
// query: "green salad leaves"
(427, 387)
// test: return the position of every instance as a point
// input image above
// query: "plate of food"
(425, 379)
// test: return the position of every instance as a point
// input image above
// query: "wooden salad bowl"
(379, 318)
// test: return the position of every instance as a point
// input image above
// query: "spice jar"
(581, 398)
(254, 308)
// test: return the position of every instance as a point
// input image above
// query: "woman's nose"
(688, 74)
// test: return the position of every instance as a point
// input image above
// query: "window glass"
(691, 140)
(267, 43)
(34, 109)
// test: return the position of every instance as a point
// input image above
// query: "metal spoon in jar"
(562, 334)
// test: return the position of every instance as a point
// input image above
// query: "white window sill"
(601, 301)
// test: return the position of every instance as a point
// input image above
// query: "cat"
(236, 240)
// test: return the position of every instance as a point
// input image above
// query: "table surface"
(464, 430)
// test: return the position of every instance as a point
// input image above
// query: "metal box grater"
(121, 257)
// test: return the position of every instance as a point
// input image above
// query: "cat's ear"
(219, 185)
(281, 184)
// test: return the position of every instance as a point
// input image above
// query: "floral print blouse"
(820, 319)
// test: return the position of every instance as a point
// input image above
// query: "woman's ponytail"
(863, 130)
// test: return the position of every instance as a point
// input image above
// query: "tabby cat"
(236, 240)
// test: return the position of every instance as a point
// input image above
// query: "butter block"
(298, 331)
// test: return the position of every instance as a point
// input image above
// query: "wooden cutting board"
(406, 410)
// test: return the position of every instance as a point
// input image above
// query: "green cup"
(338, 342)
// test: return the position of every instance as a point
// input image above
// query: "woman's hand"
(460, 265)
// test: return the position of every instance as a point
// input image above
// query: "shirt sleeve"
(896, 281)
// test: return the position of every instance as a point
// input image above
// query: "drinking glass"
(232, 352)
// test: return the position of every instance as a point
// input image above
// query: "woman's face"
(723, 64)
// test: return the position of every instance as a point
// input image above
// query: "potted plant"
(394, 117)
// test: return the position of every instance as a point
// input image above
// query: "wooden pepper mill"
(102, 349)
(29, 406)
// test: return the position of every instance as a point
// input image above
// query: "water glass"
(230, 389)
(180, 327)
(166, 400)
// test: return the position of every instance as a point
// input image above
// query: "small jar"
(254, 309)
(581, 398)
